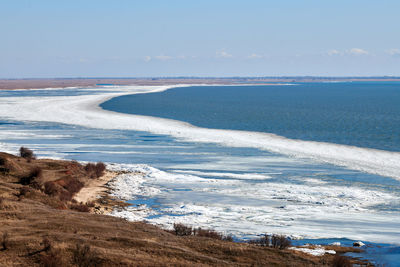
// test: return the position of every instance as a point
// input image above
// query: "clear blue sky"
(136, 38)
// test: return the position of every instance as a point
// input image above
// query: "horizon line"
(207, 77)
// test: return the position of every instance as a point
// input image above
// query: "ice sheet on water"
(245, 209)
(83, 110)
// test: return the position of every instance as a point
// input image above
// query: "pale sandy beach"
(96, 188)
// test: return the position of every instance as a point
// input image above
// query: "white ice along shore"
(84, 110)
(233, 206)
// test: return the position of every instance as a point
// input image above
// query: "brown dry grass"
(41, 230)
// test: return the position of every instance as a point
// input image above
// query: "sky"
(158, 38)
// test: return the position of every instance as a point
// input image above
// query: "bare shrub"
(90, 169)
(264, 241)
(73, 186)
(275, 241)
(64, 195)
(52, 258)
(4, 170)
(33, 174)
(341, 261)
(83, 256)
(23, 191)
(4, 241)
(100, 168)
(182, 230)
(95, 170)
(50, 188)
(207, 233)
(227, 238)
(26, 153)
(36, 185)
(280, 241)
(79, 207)
(46, 244)
(4, 166)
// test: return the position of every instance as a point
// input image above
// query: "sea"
(319, 162)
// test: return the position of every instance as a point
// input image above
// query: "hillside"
(42, 225)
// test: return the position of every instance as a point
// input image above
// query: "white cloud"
(163, 57)
(333, 52)
(393, 52)
(256, 56)
(357, 51)
(147, 58)
(223, 54)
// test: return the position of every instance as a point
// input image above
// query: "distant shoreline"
(31, 83)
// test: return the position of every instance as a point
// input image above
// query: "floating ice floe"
(317, 251)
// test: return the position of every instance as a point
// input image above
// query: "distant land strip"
(36, 83)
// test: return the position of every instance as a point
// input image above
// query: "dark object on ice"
(358, 244)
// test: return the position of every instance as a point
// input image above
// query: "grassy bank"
(42, 224)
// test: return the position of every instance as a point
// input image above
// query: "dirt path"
(95, 188)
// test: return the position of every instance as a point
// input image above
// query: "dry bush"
(64, 195)
(228, 238)
(275, 241)
(100, 168)
(95, 170)
(46, 247)
(207, 233)
(46, 244)
(33, 174)
(263, 241)
(4, 241)
(280, 241)
(23, 191)
(341, 261)
(4, 170)
(182, 230)
(52, 259)
(73, 186)
(79, 207)
(83, 256)
(66, 192)
(26, 153)
(51, 188)
(90, 169)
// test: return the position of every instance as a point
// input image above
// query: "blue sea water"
(363, 114)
